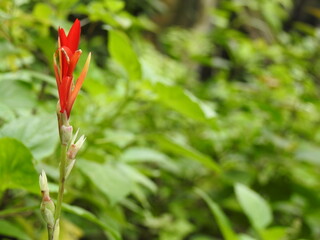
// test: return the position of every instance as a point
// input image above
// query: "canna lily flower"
(68, 55)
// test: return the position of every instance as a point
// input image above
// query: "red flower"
(68, 55)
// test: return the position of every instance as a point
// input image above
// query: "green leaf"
(183, 102)
(122, 52)
(92, 218)
(309, 153)
(6, 113)
(38, 133)
(115, 5)
(109, 178)
(254, 206)
(10, 230)
(187, 151)
(245, 237)
(142, 155)
(16, 168)
(274, 233)
(221, 218)
(42, 12)
(28, 76)
(137, 177)
(16, 94)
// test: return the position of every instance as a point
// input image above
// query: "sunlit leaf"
(122, 52)
(16, 168)
(183, 102)
(187, 151)
(16, 94)
(254, 206)
(108, 178)
(38, 133)
(147, 155)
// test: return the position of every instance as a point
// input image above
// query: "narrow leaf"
(92, 218)
(188, 152)
(254, 206)
(220, 217)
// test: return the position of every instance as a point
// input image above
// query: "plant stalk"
(50, 233)
(62, 180)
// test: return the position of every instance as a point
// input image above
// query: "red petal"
(74, 36)
(66, 56)
(64, 92)
(63, 41)
(73, 62)
(79, 83)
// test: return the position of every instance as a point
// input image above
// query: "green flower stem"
(62, 180)
(50, 233)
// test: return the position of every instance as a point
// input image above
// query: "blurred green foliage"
(205, 132)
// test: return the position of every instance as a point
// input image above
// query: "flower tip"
(43, 182)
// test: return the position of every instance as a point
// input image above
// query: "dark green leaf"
(222, 220)
(11, 230)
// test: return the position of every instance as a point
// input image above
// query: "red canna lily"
(68, 55)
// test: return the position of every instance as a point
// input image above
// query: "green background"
(201, 117)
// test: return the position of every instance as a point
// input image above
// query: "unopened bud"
(66, 134)
(47, 210)
(75, 147)
(43, 182)
(56, 230)
(69, 167)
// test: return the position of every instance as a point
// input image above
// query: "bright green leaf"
(137, 177)
(115, 5)
(16, 168)
(142, 155)
(42, 11)
(38, 133)
(122, 52)
(187, 151)
(183, 102)
(254, 206)
(245, 237)
(108, 178)
(16, 94)
(274, 233)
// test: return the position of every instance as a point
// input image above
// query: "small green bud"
(43, 182)
(56, 230)
(75, 146)
(69, 167)
(66, 134)
(47, 210)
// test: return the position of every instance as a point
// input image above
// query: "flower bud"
(66, 134)
(69, 167)
(43, 182)
(75, 147)
(47, 210)
(56, 230)
(47, 206)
